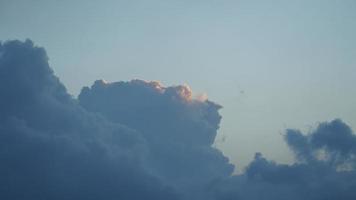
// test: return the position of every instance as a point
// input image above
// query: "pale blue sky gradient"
(271, 64)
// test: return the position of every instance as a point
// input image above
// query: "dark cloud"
(325, 169)
(332, 142)
(126, 140)
(178, 128)
(142, 140)
(51, 148)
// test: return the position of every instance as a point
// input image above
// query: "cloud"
(179, 129)
(325, 169)
(142, 140)
(51, 148)
(124, 140)
(332, 142)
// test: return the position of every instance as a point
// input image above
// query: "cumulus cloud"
(178, 128)
(324, 169)
(125, 140)
(333, 143)
(51, 148)
(142, 140)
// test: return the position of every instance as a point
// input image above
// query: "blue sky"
(271, 64)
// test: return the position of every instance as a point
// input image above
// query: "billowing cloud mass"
(324, 169)
(142, 140)
(52, 148)
(178, 129)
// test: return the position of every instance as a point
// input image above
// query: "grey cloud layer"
(141, 140)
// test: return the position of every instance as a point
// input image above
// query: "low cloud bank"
(324, 169)
(142, 140)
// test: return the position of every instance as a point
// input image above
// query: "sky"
(272, 65)
(179, 100)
